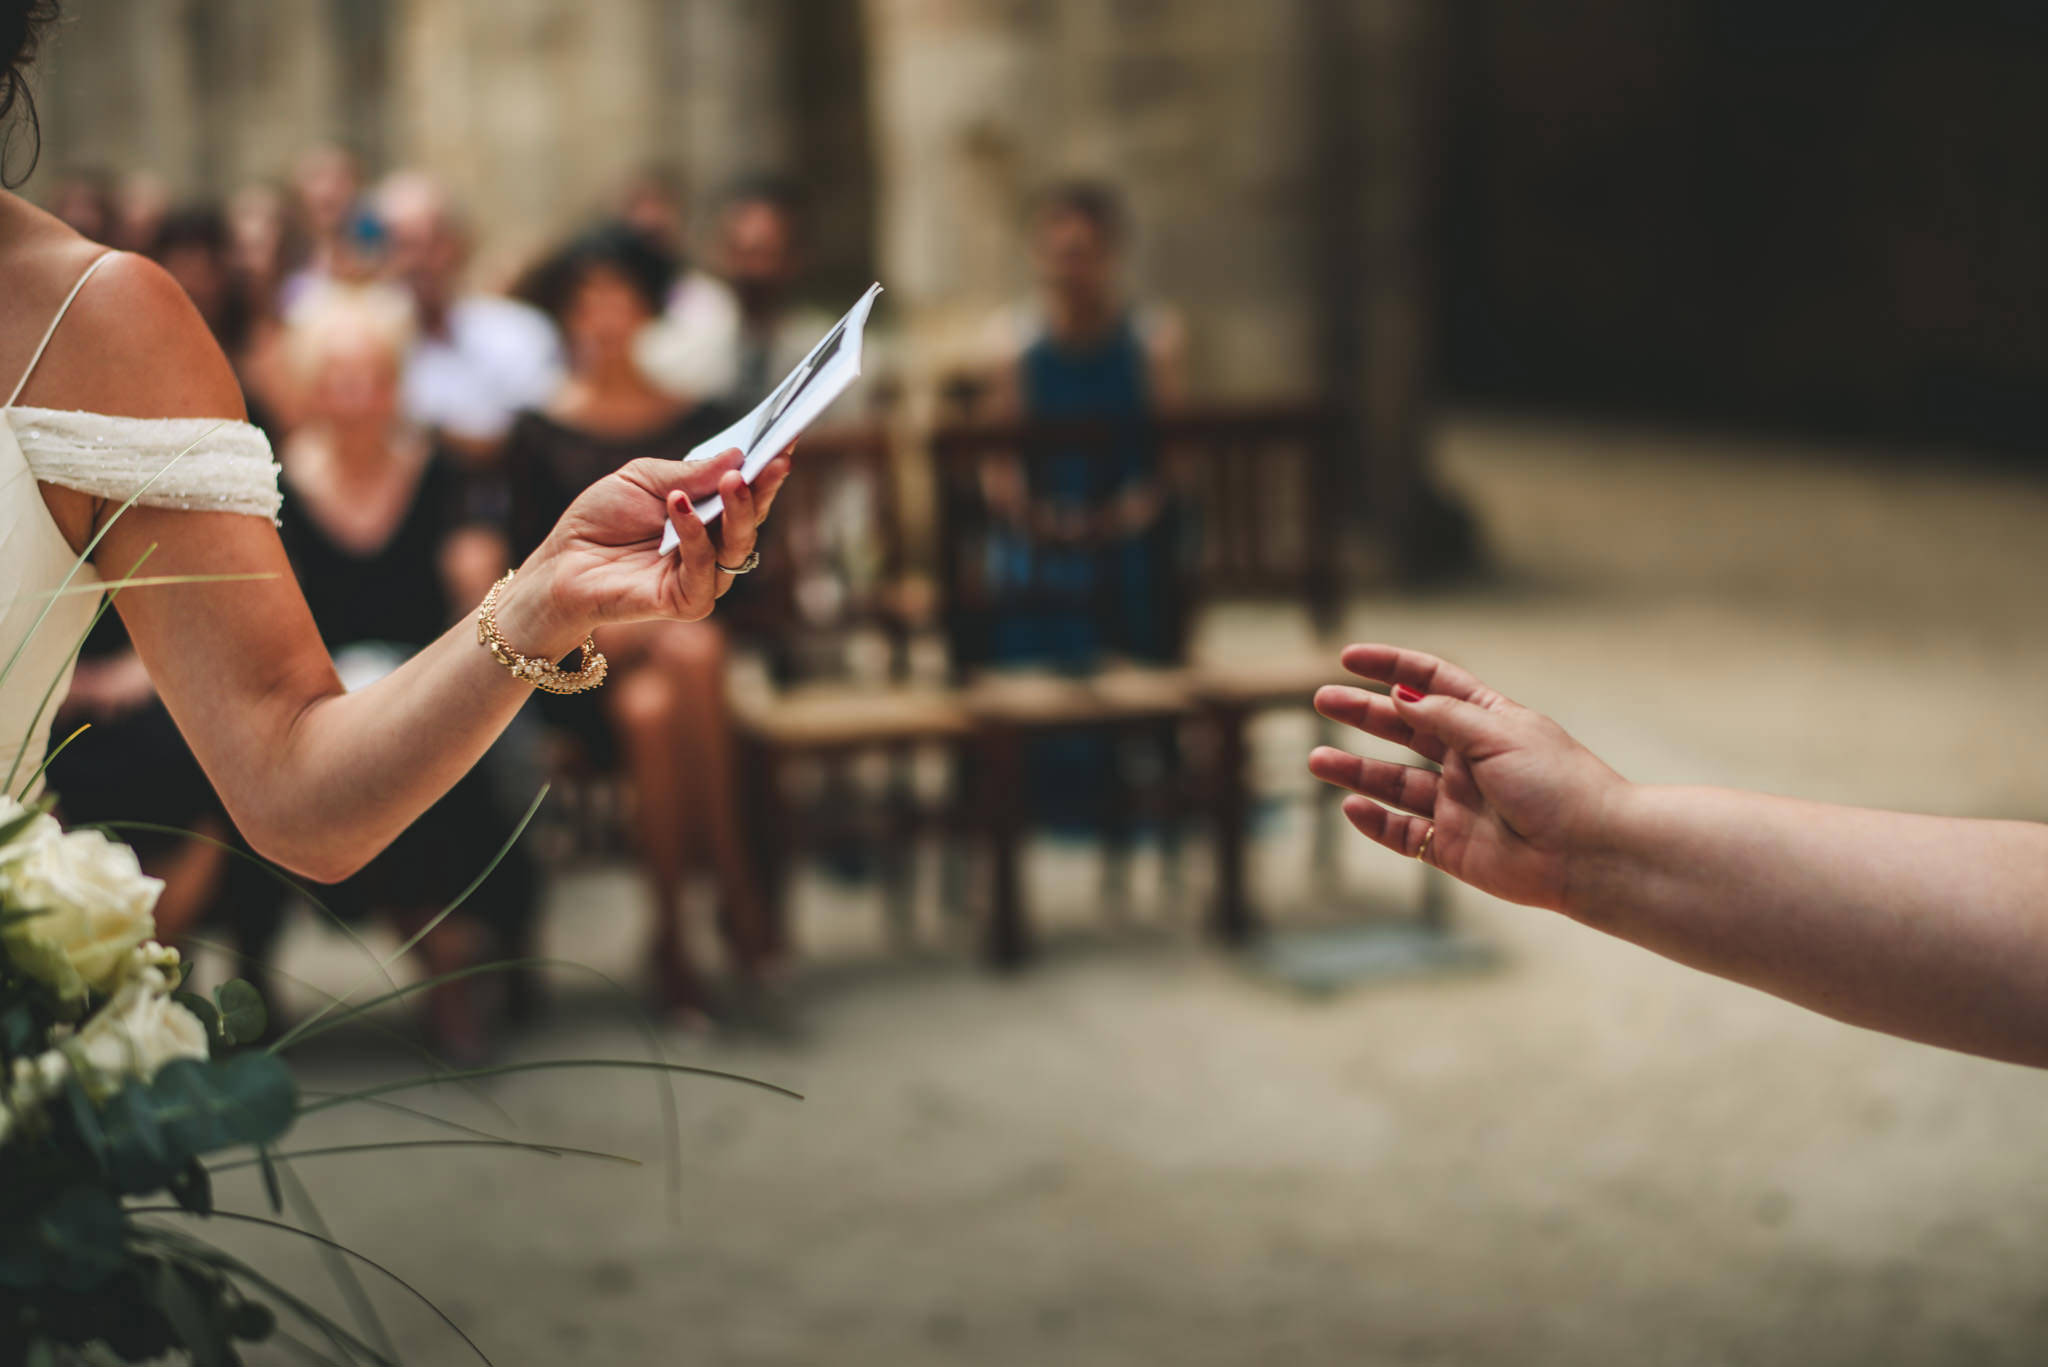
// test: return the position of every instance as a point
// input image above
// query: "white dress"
(191, 463)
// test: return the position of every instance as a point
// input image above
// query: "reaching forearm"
(1927, 927)
(358, 768)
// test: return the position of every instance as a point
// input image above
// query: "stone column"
(1379, 81)
(960, 95)
(532, 110)
(1197, 110)
(269, 81)
(118, 89)
(726, 89)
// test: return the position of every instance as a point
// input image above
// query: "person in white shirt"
(478, 359)
(760, 254)
(692, 350)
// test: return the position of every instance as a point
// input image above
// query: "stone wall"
(1197, 108)
(923, 125)
(1263, 146)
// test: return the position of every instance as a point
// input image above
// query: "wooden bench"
(1251, 484)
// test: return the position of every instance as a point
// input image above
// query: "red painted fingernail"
(1406, 694)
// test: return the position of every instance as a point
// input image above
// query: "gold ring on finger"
(747, 566)
(1422, 850)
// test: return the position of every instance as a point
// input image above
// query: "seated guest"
(95, 779)
(1087, 529)
(761, 256)
(370, 513)
(259, 244)
(194, 245)
(258, 247)
(326, 183)
(692, 349)
(663, 715)
(476, 359)
(1080, 551)
(84, 200)
(353, 277)
(141, 203)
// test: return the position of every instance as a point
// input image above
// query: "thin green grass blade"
(156, 581)
(420, 1051)
(42, 768)
(544, 1150)
(399, 1108)
(343, 1249)
(550, 1065)
(426, 930)
(344, 1276)
(672, 1125)
(64, 670)
(192, 1246)
(90, 546)
(277, 875)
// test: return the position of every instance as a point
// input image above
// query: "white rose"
(40, 828)
(95, 906)
(135, 1034)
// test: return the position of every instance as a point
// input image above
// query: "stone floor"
(1140, 1154)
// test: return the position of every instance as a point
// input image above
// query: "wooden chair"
(827, 590)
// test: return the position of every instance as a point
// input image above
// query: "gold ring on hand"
(1422, 851)
(747, 566)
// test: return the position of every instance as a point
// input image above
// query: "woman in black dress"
(373, 520)
(664, 716)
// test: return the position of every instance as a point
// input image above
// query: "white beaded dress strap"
(201, 464)
(51, 331)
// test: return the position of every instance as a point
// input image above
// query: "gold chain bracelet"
(545, 675)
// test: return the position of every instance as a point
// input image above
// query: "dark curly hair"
(611, 247)
(22, 24)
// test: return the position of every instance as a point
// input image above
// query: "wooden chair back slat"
(1254, 487)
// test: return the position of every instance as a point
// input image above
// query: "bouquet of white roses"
(114, 1084)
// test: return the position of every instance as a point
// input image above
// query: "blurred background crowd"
(433, 424)
(1677, 365)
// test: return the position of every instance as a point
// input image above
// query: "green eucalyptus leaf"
(150, 1133)
(204, 1010)
(248, 1099)
(139, 1156)
(242, 1015)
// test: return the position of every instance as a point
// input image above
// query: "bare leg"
(454, 1021)
(192, 878)
(693, 655)
(645, 707)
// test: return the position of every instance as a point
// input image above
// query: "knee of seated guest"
(695, 650)
(645, 700)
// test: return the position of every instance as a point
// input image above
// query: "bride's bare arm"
(316, 778)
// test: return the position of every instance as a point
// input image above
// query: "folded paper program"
(822, 376)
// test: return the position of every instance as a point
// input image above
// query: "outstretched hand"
(1517, 802)
(604, 555)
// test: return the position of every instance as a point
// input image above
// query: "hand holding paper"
(822, 376)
